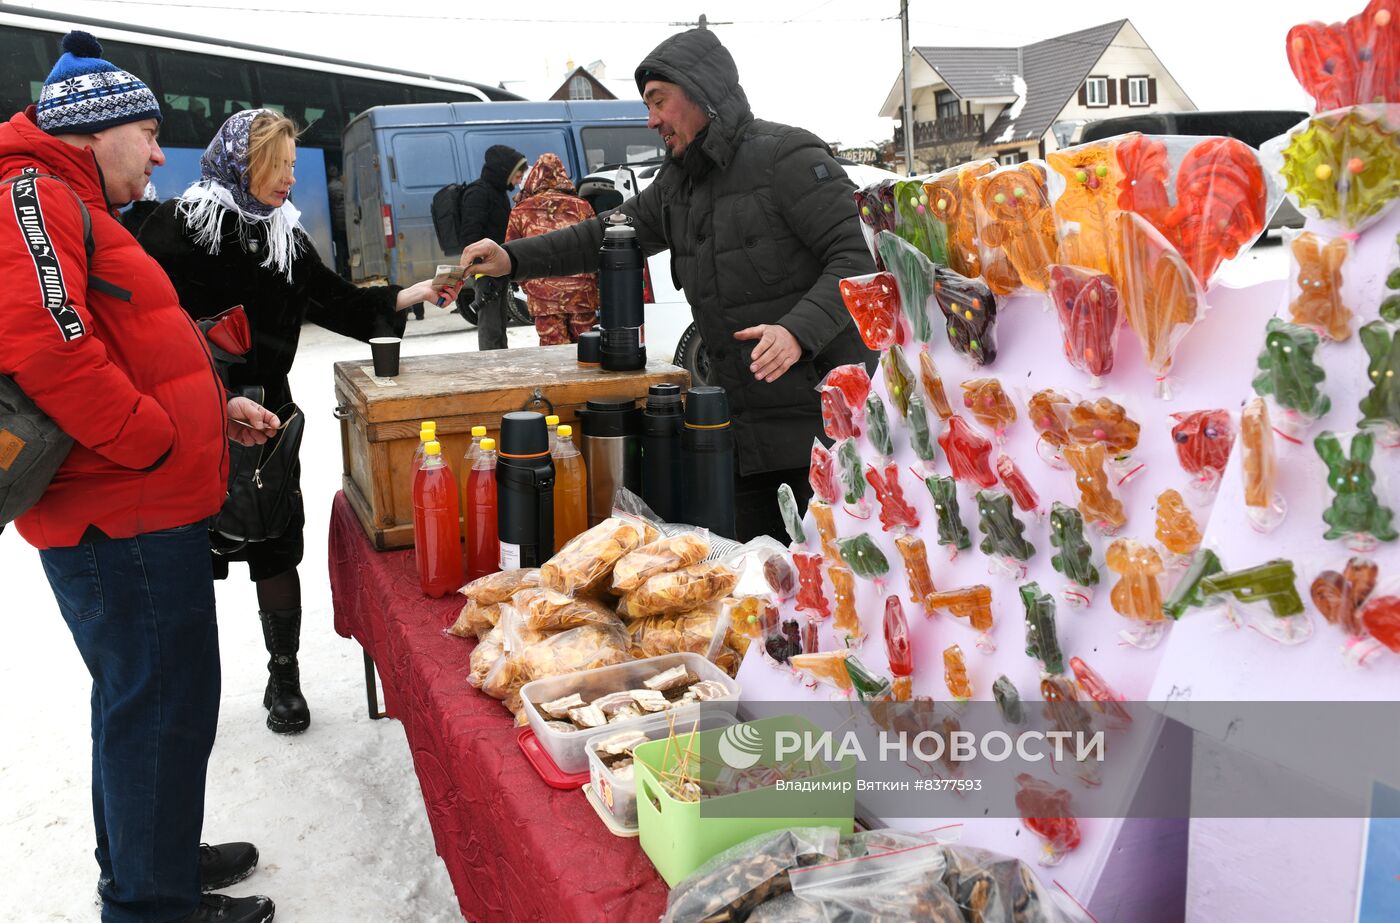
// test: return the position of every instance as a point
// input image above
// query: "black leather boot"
(287, 712)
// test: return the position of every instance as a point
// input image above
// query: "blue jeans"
(141, 611)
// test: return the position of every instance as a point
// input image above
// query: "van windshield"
(620, 144)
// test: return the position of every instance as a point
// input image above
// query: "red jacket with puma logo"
(130, 379)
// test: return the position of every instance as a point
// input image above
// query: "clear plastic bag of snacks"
(584, 565)
(678, 591)
(546, 610)
(501, 586)
(658, 557)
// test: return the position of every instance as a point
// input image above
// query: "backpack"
(446, 221)
(32, 447)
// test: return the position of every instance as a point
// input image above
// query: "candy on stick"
(1187, 593)
(914, 277)
(895, 511)
(869, 685)
(1075, 558)
(838, 419)
(853, 479)
(1221, 198)
(1016, 484)
(878, 425)
(1344, 166)
(1144, 166)
(1001, 529)
(1008, 700)
(1042, 640)
(1340, 596)
(1176, 527)
(1104, 421)
(952, 196)
(1288, 372)
(1090, 310)
(843, 584)
(920, 436)
(988, 403)
(1352, 62)
(897, 648)
(1356, 513)
(1088, 206)
(864, 557)
(1381, 616)
(1203, 439)
(792, 516)
(825, 667)
(973, 603)
(1138, 593)
(1048, 411)
(1160, 295)
(1110, 703)
(1273, 583)
(1264, 507)
(933, 385)
(1096, 500)
(875, 205)
(899, 378)
(825, 518)
(1318, 303)
(811, 588)
(1380, 408)
(1045, 810)
(1016, 227)
(911, 549)
(853, 381)
(968, 453)
(821, 474)
(873, 301)
(955, 674)
(1065, 714)
(915, 221)
(970, 315)
(951, 531)
(782, 646)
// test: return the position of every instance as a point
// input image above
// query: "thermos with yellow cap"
(707, 462)
(525, 491)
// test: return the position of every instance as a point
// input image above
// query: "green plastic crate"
(678, 840)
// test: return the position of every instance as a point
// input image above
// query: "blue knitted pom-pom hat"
(85, 94)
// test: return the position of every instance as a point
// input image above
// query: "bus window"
(25, 60)
(307, 98)
(357, 95)
(619, 144)
(197, 93)
(429, 95)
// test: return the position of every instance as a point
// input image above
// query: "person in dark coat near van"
(234, 237)
(761, 224)
(483, 214)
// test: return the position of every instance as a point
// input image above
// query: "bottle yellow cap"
(551, 420)
(488, 445)
(478, 431)
(429, 425)
(425, 434)
(566, 430)
(432, 448)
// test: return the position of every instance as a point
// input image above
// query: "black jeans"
(141, 611)
(491, 320)
(756, 502)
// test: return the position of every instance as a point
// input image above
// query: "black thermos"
(662, 422)
(620, 313)
(524, 491)
(707, 464)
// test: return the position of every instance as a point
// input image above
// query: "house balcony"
(943, 131)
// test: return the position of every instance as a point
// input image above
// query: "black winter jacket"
(484, 209)
(760, 234)
(209, 284)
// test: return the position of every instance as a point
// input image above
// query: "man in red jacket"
(103, 347)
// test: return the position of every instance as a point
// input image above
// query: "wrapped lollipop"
(1016, 484)
(1291, 376)
(951, 531)
(873, 301)
(1264, 505)
(811, 587)
(1087, 207)
(914, 274)
(914, 221)
(1048, 410)
(895, 512)
(878, 425)
(1203, 439)
(1107, 701)
(875, 205)
(920, 436)
(1042, 636)
(1342, 166)
(899, 378)
(911, 549)
(897, 648)
(968, 452)
(955, 674)
(1075, 556)
(1090, 309)
(989, 405)
(1003, 541)
(1137, 595)
(1265, 595)
(973, 603)
(952, 196)
(1161, 297)
(843, 392)
(1064, 713)
(1380, 408)
(853, 381)
(824, 515)
(1222, 202)
(1176, 526)
(933, 385)
(853, 479)
(1356, 515)
(1096, 500)
(1045, 810)
(1354, 599)
(1316, 272)
(864, 557)
(792, 516)
(1357, 61)
(1016, 227)
(846, 622)
(970, 315)
(821, 474)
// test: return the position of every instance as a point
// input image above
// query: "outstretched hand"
(775, 353)
(485, 258)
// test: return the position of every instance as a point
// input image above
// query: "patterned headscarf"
(224, 185)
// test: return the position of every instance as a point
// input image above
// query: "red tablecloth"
(517, 850)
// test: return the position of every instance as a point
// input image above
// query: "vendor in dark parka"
(761, 225)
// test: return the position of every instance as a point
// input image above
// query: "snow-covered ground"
(336, 811)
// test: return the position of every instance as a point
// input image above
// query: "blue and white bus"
(200, 81)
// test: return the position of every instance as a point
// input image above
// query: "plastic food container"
(678, 838)
(619, 796)
(566, 747)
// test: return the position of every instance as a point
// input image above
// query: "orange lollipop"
(1014, 218)
(1090, 201)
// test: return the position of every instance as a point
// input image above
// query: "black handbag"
(264, 487)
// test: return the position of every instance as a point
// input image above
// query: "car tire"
(692, 356)
(519, 312)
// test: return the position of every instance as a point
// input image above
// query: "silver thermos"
(612, 451)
